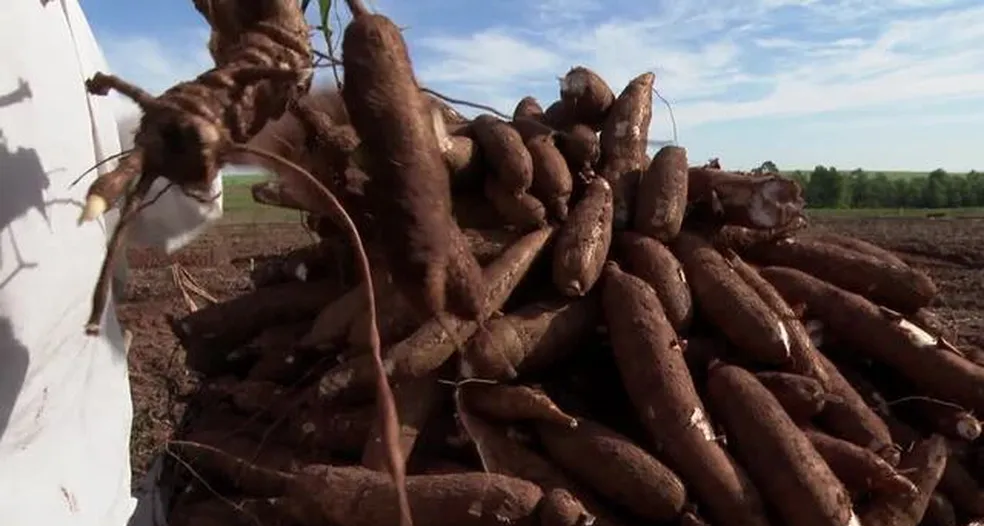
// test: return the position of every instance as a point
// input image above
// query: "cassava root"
(579, 333)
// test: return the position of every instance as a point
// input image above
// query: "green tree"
(974, 189)
(768, 167)
(900, 193)
(937, 189)
(915, 193)
(956, 192)
(801, 179)
(816, 188)
(828, 189)
(861, 191)
(882, 193)
(840, 188)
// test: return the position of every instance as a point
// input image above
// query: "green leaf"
(325, 9)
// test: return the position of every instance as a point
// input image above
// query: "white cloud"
(155, 64)
(924, 120)
(707, 53)
(486, 58)
(777, 43)
(566, 10)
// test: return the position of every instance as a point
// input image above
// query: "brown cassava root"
(186, 132)
(591, 342)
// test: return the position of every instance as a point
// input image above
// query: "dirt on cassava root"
(577, 333)
(409, 187)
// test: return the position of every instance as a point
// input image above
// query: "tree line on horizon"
(828, 187)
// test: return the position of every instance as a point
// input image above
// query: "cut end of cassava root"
(969, 428)
(95, 206)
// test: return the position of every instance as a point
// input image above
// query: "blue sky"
(877, 84)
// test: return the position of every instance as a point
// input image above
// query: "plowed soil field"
(950, 250)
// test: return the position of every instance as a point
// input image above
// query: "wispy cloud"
(567, 10)
(156, 63)
(722, 62)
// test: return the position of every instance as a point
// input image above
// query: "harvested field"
(951, 251)
(220, 261)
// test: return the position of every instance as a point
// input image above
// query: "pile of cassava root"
(575, 333)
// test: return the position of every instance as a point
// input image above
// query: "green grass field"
(894, 212)
(888, 173)
(240, 207)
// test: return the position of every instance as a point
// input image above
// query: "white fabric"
(65, 410)
(176, 219)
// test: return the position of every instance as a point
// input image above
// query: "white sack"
(65, 410)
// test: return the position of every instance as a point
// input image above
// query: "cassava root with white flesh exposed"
(579, 331)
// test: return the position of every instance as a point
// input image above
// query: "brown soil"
(950, 250)
(220, 262)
